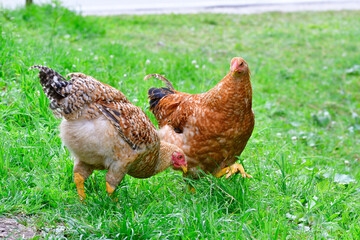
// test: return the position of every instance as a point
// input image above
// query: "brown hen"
(103, 130)
(211, 128)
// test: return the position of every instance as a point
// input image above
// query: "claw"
(237, 168)
(233, 169)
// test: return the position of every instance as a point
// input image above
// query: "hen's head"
(239, 66)
(178, 161)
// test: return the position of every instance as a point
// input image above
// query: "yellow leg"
(233, 169)
(222, 172)
(109, 189)
(79, 181)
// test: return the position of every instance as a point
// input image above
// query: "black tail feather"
(54, 85)
(156, 94)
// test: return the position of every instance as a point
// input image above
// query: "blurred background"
(113, 7)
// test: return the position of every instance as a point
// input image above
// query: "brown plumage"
(103, 130)
(211, 128)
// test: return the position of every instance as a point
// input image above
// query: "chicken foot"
(79, 181)
(113, 177)
(81, 172)
(233, 169)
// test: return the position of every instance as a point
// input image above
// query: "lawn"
(304, 153)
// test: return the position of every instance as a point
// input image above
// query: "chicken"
(103, 130)
(212, 128)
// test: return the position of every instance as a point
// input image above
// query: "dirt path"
(10, 229)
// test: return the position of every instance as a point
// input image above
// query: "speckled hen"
(103, 130)
(211, 128)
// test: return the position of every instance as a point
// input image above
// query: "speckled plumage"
(103, 130)
(211, 128)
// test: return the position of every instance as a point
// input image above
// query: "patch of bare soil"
(10, 229)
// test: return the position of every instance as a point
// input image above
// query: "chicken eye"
(180, 156)
(241, 64)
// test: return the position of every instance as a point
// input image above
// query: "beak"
(184, 168)
(234, 65)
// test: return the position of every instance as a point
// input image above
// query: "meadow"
(304, 153)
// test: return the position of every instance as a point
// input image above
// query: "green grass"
(304, 153)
